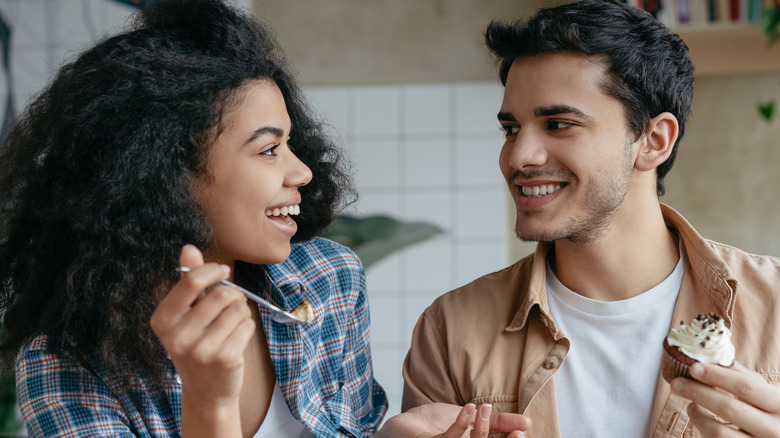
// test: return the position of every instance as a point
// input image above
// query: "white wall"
(423, 152)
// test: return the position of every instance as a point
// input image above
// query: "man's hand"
(442, 420)
(749, 405)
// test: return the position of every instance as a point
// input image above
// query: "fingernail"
(697, 370)
(486, 410)
(225, 268)
(470, 408)
(677, 385)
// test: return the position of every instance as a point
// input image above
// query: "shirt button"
(551, 362)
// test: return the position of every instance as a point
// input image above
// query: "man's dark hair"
(648, 68)
(97, 190)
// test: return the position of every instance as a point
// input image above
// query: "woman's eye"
(271, 152)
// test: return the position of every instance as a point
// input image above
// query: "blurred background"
(410, 91)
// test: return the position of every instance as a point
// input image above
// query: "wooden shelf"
(730, 49)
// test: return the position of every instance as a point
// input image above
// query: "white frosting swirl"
(706, 339)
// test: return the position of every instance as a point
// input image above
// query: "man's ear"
(658, 141)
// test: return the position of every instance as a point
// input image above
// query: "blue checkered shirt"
(323, 367)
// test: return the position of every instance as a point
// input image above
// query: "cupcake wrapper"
(672, 368)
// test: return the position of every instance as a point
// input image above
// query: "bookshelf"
(719, 49)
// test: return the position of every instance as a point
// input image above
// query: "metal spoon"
(277, 314)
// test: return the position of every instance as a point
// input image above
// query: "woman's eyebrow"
(273, 130)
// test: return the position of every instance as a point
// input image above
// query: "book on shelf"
(676, 13)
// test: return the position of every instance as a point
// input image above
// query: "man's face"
(568, 154)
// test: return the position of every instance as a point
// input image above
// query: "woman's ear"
(658, 141)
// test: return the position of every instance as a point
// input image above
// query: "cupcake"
(706, 339)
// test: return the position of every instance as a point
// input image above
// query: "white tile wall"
(421, 152)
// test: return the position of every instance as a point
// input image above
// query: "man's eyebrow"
(506, 117)
(557, 110)
(273, 130)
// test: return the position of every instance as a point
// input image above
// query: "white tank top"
(279, 421)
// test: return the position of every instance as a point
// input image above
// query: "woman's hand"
(205, 330)
(442, 420)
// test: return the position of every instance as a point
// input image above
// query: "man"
(597, 95)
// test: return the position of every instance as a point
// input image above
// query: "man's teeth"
(536, 191)
(291, 210)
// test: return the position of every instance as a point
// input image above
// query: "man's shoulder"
(752, 272)
(736, 257)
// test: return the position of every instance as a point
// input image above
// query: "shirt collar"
(536, 291)
(714, 274)
(284, 287)
(711, 271)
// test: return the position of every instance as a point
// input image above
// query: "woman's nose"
(298, 173)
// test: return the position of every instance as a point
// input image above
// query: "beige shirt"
(494, 340)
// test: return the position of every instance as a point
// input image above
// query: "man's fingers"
(744, 384)
(711, 392)
(708, 425)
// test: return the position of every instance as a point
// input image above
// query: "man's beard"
(589, 226)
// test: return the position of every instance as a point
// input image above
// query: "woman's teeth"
(284, 211)
(536, 191)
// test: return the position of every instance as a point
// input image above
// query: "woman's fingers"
(482, 421)
(509, 422)
(462, 422)
(202, 325)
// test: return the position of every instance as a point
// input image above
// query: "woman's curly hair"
(97, 187)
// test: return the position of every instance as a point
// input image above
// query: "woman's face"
(251, 191)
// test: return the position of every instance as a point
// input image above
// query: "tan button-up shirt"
(495, 341)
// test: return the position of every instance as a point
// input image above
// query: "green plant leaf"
(766, 110)
(373, 238)
(770, 20)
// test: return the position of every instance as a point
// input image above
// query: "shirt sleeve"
(59, 398)
(426, 370)
(369, 399)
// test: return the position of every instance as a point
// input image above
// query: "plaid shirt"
(323, 367)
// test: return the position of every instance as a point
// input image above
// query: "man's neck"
(636, 254)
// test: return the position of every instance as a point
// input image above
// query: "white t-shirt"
(279, 421)
(606, 385)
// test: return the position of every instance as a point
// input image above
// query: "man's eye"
(509, 129)
(558, 124)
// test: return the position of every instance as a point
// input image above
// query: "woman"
(184, 134)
